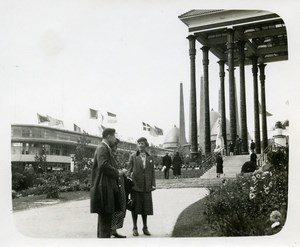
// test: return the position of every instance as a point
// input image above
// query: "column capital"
(205, 48)
(230, 38)
(262, 66)
(262, 76)
(221, 62)
(191, 37)
(254, 64)
(192, 43)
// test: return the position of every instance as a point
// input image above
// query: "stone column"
(243, 110)
(232, 103)
(222, 101)
(205, 61)
(262, 78)
(193, 105)
(256, 107)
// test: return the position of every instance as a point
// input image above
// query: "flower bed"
(252, 205)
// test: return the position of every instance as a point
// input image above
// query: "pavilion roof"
(264, 33)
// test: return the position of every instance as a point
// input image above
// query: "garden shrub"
(243, 207)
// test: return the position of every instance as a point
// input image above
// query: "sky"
(61, 58)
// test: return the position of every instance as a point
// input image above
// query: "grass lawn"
(28, 202)
(192, 222)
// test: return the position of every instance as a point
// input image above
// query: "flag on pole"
(101, 128)
(111, 117)
(42, 119)
(55, 122)
(268, 114)
(159, 131)
(146, 127)
(102, 118)
(76, 128)
(93, 114)
(153, 131)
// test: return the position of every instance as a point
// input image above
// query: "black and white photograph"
(149, 122)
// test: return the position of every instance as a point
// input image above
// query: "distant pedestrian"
(26, 168)
(238, 145)
(253, 157)
(252, 146)
(177, 164)
(167, 162)
(30, 169)
(231, 148)
(219, 161)
(39, 170)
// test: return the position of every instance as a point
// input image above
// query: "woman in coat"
(177, 163)
(141, 170)
(219, 161)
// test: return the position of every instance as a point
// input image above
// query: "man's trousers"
(104, 225)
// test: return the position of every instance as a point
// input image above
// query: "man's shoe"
(135, 232)
(146, 232)
(117, 235)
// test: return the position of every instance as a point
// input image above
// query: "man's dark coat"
(105, 197)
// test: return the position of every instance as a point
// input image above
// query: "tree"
(41, 158)
(82, 153)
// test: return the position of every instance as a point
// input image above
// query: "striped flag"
(55, 122)
(76, 128)
(42, 119)
(159, 131)
(111, 117)
(153, 131)
(101, 128)
(93, 114)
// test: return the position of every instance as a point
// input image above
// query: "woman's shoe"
(146, 232)
(135, 232)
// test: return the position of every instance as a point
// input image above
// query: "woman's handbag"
(129, 204)
(128, 186)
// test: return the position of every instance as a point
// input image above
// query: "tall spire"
(182, 139)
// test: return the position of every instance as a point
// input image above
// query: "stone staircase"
(231, 167)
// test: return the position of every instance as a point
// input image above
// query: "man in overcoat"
(141, 170)
(105, 194)
(167, 162)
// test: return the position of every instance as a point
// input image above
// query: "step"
(231, 166)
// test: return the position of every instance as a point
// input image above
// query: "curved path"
(73, 219)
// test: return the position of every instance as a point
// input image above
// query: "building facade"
(59, 144)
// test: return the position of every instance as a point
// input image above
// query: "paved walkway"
(73, 219)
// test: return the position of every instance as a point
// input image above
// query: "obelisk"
(201, 118)
(182, 139)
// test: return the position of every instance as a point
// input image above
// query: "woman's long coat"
(219, 164)
(177, 163)
(105, 197)
(143, 178)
